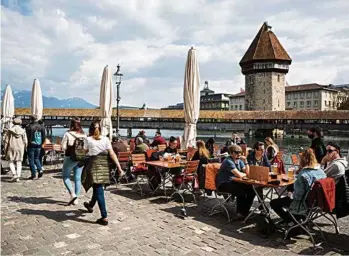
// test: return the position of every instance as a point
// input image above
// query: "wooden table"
(166, 164)
(166, 176)
(270, 188)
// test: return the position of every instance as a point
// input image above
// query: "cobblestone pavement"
(35, 220)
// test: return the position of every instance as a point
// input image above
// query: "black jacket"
(30, 130)
(342, 196)
(319, 148)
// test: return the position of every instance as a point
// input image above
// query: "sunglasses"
(330, 150)
(237, 152)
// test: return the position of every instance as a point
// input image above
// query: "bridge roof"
(207, 114)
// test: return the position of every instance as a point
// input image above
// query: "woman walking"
(96, 173)
(70, 162)
(14, 144)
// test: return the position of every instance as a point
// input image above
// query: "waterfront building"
(209, 100)
(265, 65)
(303, 97)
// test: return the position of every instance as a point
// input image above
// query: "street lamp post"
(118, 76)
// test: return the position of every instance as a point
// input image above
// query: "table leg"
(261, 201)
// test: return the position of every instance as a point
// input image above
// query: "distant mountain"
(23, 98)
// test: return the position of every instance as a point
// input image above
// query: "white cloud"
(66, 44)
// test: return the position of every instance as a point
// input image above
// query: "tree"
(344, 105)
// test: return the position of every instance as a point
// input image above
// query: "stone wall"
(265, 91)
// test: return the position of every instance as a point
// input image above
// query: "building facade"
(209, 100)
(265, 65)
(303, 97)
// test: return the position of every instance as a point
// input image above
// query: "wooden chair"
(139, 170)
(124, 160)
(188, 181)
(190, 153)
(162, 147)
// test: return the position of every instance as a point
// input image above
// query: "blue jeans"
(34, 160)
(98, 195)
(68, 166)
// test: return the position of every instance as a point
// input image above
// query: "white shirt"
(96, 147)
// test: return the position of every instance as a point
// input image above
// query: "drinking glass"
(290, 172)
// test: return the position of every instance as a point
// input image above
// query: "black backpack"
(77, 151)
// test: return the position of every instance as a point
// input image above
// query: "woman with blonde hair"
(272, 149)
(96, 173)
(310, 172)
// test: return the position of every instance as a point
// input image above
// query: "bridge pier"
(129, 132)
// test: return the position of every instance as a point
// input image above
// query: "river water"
(288, 144)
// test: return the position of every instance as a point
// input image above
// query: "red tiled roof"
(209, 114)
(265, 46)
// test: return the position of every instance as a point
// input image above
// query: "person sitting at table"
(209, 146)
(257, 156)
(141, 147)
(335, 163)
(310, 171)
(236, 166)
(158, 140)
(272, 149)
(172, 147)
(118, 145)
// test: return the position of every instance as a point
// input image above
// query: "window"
(302, 95)
(295, 104)
(302, 104)
(236, 106)
(308, 95)
(240, 107)
(278, 78)
(316, 94)
(295, 96)
(325, 103)
(288, 96)
(288, 104)
(308, 103)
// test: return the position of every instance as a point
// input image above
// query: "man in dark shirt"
(172, 148)
(158, 140)
(36, 137)
(257, 156)
(118, 145)
(316, 143)
(236, 166)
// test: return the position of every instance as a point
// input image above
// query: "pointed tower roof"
(265, 46)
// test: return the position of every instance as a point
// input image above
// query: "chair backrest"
(149, 152)
(259, 173)
(211, 172)
(137, 158)
(124, 156)
(132, 144)
(190, 153)
(162, 147)
(191, 167)
(322, 194)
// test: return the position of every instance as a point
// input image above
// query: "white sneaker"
(76, 202)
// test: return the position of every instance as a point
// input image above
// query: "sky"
(67, 43)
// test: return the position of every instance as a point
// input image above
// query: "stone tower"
(265, 65)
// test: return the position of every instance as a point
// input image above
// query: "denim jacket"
(301, 186)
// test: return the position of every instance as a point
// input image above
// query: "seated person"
(210, 146)
(336, 164)
(158, 140)
(118, 145)
(141, 147)
(235, 165)
(142, 135)
(257, 156)
(172, 147)
(272, 149)
(309, 170)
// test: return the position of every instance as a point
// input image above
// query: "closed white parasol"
(8, 108)
(106, 100)
(191, 95)
(36, 100)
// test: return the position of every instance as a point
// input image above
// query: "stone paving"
(35, 220)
